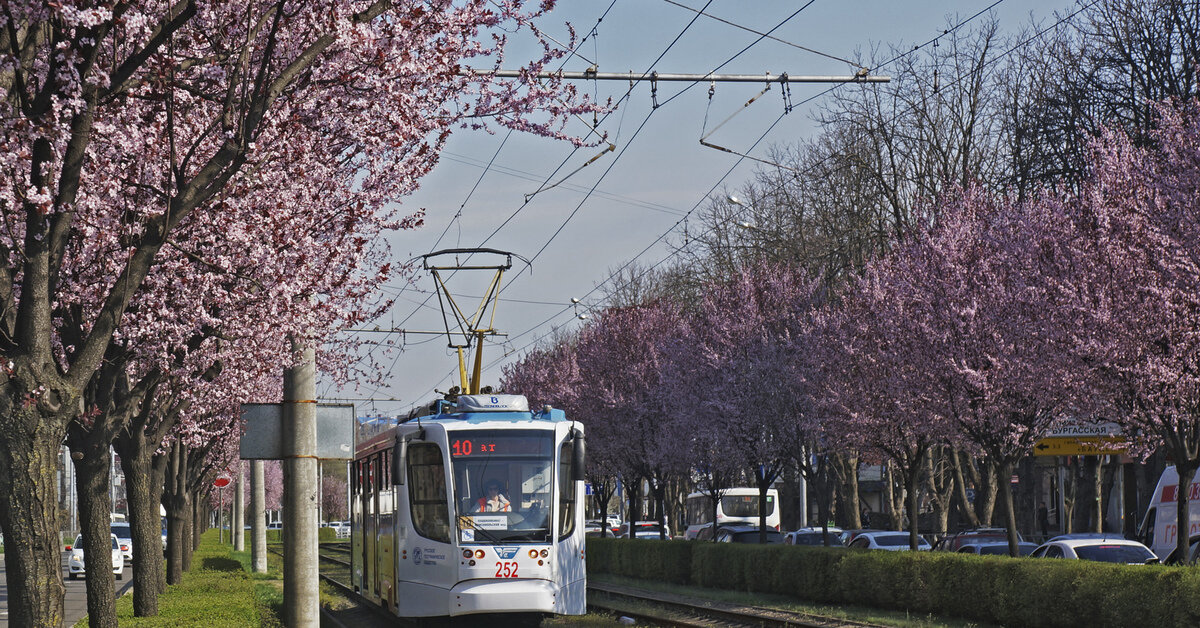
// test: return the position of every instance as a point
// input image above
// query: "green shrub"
(326, 535)
(993, 589)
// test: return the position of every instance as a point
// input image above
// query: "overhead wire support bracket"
(589, 75)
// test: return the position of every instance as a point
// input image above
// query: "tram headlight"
(533, 553)
(545, 553)
(467, 553)
(479, 554)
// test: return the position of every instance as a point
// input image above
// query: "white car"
(1098, 548)
(75, 566)
(125, 538)
(891, 541)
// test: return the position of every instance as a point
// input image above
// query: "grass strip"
(219, 590)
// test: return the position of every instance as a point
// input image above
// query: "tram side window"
(427, 492)
(566, 492)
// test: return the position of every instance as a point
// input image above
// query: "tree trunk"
(985, 498)
(179, 511)
(911, 480)
(848, 476)
(960, 490)
(93, 461)
(634, 496)
(1187, 474)
(1010, 513)
(144, 486)
(200, 518)
(29, 517)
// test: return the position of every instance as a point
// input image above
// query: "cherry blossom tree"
(872, 388)
(1139, 219)
(333, 498)
(991, 324)
(728, 371)
(621, 360)
(124, 121)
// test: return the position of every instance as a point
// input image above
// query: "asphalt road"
(76, 600)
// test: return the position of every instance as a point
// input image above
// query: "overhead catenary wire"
(996, 59)
(900, 56)
(639, 129)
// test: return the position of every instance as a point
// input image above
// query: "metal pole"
(765, 77)
(1062, 497)
(301, 603)
(220, 512)
(258, 519)
(239, 510)
(803, 496)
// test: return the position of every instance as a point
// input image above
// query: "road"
(76, 601)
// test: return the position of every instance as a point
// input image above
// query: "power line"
(813, 167)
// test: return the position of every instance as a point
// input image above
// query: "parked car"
(747, 534)
(1106, 550)
(954, 542)
(275, 525)
(125, 538)
(813, 536)
(75, 564)
(996, 548)
(848, 535)
(644, 530)
(891, 541)
(593, 527)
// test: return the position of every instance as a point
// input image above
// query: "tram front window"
(503, 482)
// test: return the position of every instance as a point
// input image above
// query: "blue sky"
(656, 175)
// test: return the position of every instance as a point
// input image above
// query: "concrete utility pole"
(301, 602)
(239, 516)
(258, 518)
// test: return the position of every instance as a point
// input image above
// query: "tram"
(471, 507)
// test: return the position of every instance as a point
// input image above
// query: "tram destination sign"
(263, 438)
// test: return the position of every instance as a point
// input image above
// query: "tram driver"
(493, 499)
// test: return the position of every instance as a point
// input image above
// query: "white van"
(1160, 525)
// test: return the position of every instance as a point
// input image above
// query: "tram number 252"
(506, 569)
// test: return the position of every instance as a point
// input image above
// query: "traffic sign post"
(221, 482)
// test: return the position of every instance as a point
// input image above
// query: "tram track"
(643, 606)
(675, 610)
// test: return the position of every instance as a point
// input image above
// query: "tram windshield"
(503, 481)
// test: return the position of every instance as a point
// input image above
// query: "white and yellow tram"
(469, 508)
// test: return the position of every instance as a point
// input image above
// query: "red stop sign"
(222, 481)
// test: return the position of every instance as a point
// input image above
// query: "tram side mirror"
(398, 461)
(578, 461)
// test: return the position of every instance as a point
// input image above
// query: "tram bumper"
(505, 596)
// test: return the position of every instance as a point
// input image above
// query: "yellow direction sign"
(1074, 446)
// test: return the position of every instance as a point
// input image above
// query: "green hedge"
(994, 589)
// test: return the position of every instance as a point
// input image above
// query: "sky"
(629, 204)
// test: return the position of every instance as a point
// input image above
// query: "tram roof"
(471, 410)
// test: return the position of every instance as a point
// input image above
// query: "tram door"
(428, 562)
(370, 510)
